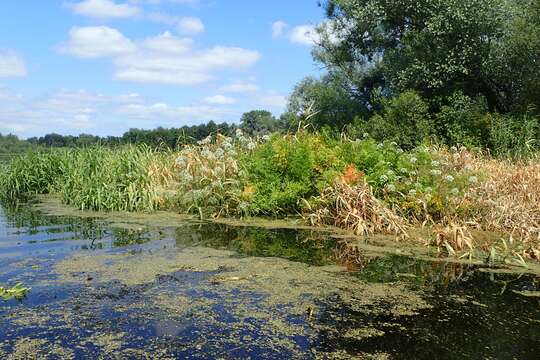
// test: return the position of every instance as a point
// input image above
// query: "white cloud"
(96, 41)
(304, 35)
(278, 28)
(167, 43)
(11, 65)
(219, 100)
(240, 87)
(273, 100)
(103, 9)
(73, 112)
(190, 26)
(163, 59)
(184, 114)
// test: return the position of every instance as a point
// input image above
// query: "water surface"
(184, 289)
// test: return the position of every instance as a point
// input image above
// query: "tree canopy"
(436, 47)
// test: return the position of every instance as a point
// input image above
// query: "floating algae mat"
(171, 287)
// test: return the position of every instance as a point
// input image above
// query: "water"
(184, 289)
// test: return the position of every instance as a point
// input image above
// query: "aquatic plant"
(18, 292)
(32, 173)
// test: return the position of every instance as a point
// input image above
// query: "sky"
(104, 66)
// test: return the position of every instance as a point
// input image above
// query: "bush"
(420, 183)
(463, 122)
(210, 179)
(404, 120)
(288, 169)
(513, 136)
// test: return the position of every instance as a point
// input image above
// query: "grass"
(458, 196)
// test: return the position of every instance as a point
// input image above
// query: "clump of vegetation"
(210, 178)
(105, 179)
(18, 292)
(287, 170)
(95, 178)
(32, 173)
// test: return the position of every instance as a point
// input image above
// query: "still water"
(182, 289)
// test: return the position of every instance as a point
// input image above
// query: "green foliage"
(326, 100)
(514, 136)
(95, 178)
(287, 169)
(114, 180)
(258, 123)
(32, 173)
(463, 121)
(418, 183)
(513, 64)
(432, 47)
(404, 120)
(18, 292)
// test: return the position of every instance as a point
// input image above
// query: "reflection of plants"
(16, 292)
(303, 246)
(125, 237)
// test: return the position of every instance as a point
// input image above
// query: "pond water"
(185, 289)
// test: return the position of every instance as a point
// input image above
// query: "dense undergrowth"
(356, 184)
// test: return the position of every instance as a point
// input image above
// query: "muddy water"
(175, 288)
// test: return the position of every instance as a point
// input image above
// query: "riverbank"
(464, 204)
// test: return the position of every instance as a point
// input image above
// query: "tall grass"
(32, 173)
(96, 178)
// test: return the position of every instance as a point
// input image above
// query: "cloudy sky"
(104, 66)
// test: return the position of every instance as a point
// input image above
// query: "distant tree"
(258, 122)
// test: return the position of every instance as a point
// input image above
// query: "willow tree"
(434, 47)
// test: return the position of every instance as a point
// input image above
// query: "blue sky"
(104, 66)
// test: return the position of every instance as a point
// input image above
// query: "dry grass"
(354, 207)
(505, 200)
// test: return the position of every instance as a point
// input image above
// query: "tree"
(327, 99)
(258, 122)
(434, 47)
(515, 62)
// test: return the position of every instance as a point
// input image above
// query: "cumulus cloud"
(219, 100)
(239, 87)
(11, 65)
(304, 35)
(163, 59)
(190, 26)
(278, 28)
(103, 9)
(96, 41)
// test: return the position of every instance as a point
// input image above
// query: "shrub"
(420, 183)
(404, 120)
(463, 121)
(513, 136)
(210, 178)
(288, 169)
